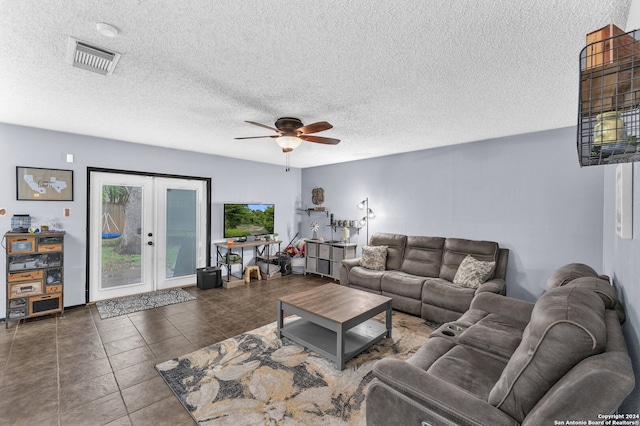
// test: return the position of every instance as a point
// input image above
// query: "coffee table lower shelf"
(325, 342)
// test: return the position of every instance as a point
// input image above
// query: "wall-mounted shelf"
(309, 211)
(609, 102)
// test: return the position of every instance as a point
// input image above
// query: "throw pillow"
(374, 257)
(472, 272)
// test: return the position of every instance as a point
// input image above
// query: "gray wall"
(232, 181)
(526, 192)
(622, 263)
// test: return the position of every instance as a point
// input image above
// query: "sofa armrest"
(496, 285)
(346, 266)
(503, 305)
(437, 397)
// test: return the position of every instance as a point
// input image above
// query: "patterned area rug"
(255, 378)
(141, 302)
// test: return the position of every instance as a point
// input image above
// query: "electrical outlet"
(67, 212)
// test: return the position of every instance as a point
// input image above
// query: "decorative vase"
(609, 129)
(345, 234)
(315, 235)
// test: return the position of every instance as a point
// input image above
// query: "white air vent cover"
(91, 58)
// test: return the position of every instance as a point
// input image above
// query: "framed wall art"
(624, 200)
(38, 184)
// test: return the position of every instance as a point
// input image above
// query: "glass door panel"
(181, 232)
(121, 260)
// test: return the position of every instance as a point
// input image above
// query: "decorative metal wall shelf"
(317, 210)
(609, 98)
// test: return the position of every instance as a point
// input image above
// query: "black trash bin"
(284, 260)
(210, 277)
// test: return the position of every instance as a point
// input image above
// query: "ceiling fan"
(291, 133)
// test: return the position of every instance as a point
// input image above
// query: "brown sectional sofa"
(511, 362)
(419, 274)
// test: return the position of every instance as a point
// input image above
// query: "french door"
(146, 233)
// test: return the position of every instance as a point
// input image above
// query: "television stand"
(262, 251)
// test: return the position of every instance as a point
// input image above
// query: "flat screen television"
(243, 220)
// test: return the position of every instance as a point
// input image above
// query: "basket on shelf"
(609, 98)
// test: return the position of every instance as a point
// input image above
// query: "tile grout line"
(58, 370)
(6, 363)
(113, 372)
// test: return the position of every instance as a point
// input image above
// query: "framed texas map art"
(34, 183)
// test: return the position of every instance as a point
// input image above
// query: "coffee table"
(335, 321)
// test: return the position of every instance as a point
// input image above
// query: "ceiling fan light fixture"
(288, 142)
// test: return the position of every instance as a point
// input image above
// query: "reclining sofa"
(510, 362)
(420, 271)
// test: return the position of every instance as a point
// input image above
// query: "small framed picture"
(37, 184)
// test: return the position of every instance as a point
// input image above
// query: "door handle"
(150, 234)
(150, 243)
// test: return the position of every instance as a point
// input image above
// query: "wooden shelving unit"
(34, 275)
(262, 251)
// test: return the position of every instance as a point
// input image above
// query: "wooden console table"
(262, 251)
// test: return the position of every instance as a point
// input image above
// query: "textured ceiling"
(390, 76)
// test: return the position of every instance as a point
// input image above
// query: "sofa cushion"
(567, 273)
(423, 256)
(447, 295)
(395, 247)
(366, 278)
(455, 250)
(567, 325)
(469, 370)
(403, 284)
(496, 342)
(472, 272)
(374, 257)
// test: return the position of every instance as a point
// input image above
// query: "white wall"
(232, 181)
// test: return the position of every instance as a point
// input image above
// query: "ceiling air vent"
(91, 58)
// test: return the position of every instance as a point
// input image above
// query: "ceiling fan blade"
(314, 127)
(257, 137)
(262, 125)
(319, 139)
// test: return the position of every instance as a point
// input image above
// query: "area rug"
(255, 378)
(128, 305)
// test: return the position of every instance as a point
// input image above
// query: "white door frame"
(154, 278)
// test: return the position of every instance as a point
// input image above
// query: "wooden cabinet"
(325, 258)
(34, 274)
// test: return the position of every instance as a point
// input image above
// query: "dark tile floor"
(82, 370)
